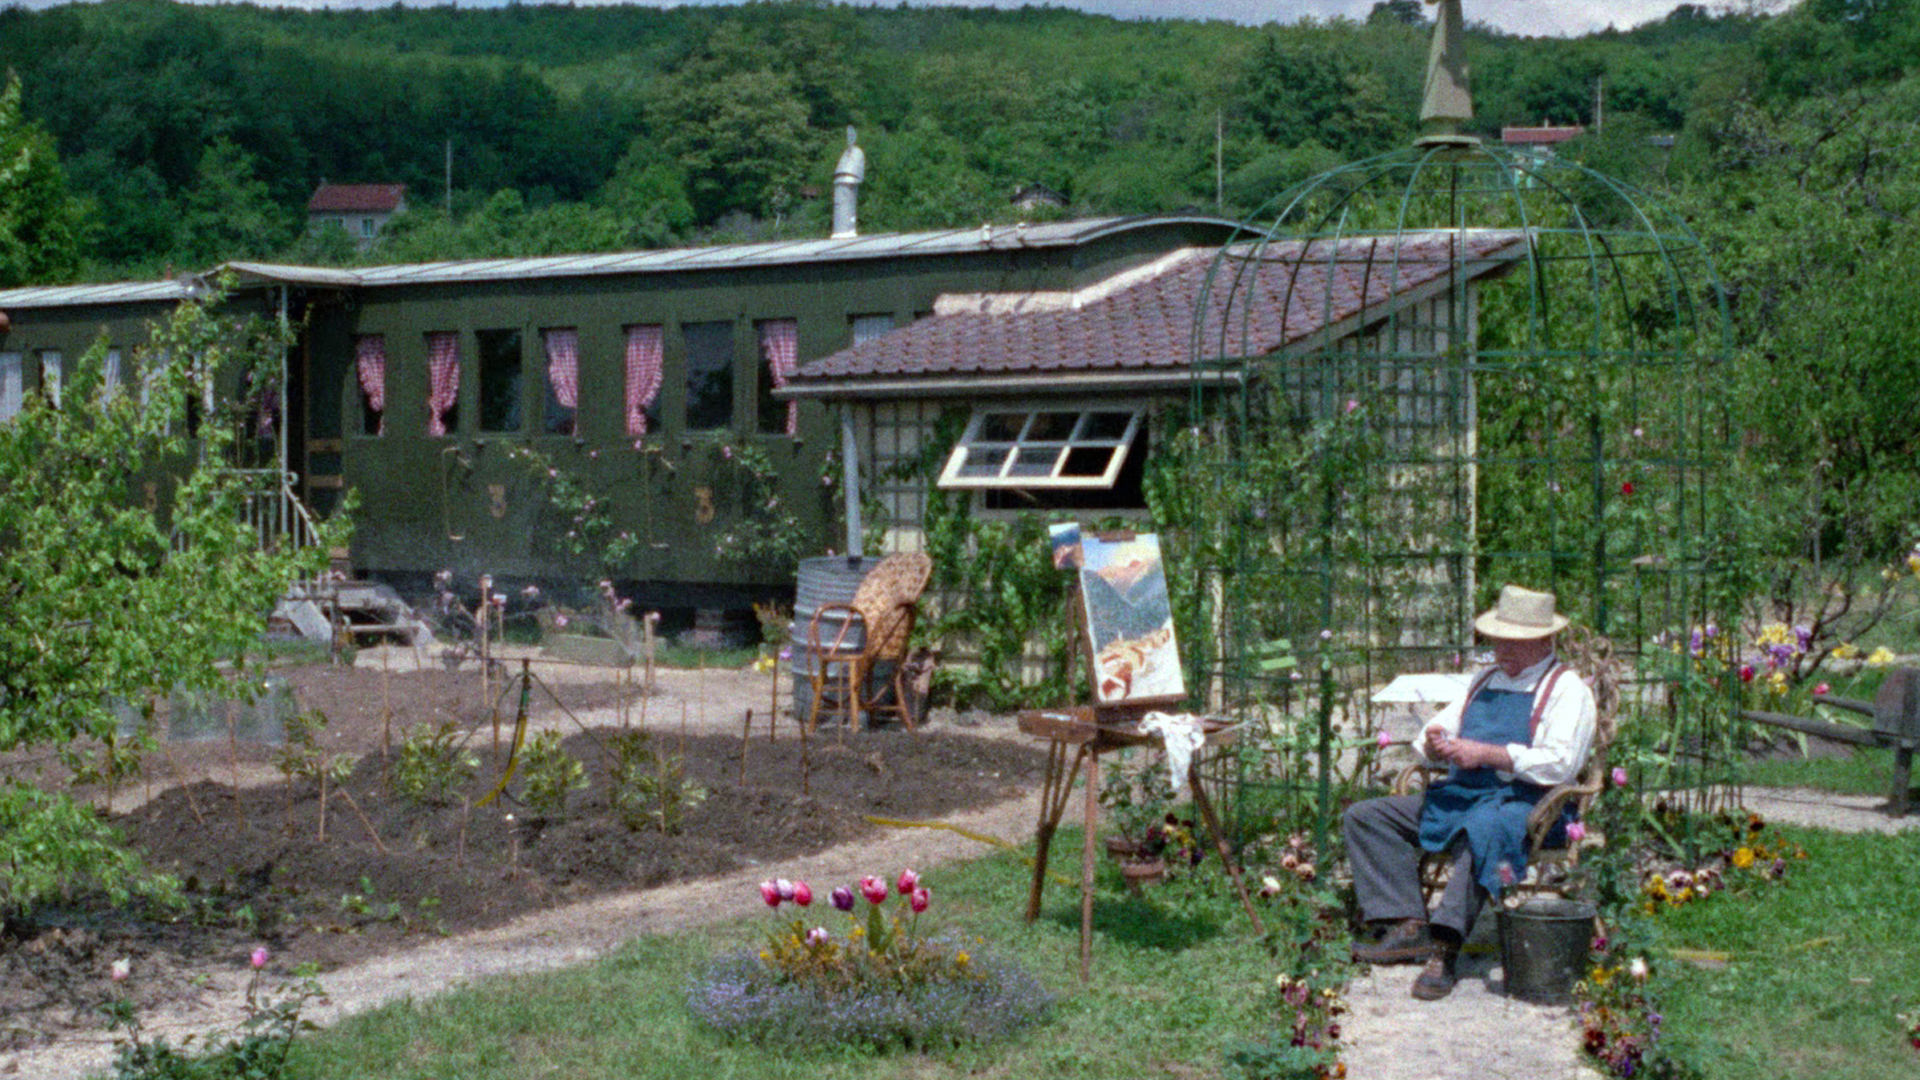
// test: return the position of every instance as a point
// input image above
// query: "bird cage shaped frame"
(1432, 372)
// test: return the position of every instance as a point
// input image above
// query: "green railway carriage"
(414, 384)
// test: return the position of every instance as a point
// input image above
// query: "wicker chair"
(873, 629)
(1591, 655)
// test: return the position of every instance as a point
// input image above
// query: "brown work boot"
(1436, 980)
(1405, 942)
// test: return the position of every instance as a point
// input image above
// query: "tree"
(1396, 13)
(40, 224)
(228, 213)
(112, 594)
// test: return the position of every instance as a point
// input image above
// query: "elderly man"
(1524, 725)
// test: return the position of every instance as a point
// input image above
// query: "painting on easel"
(1123, 591)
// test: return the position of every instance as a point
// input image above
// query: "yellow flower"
(1845, 651)
(1743, 858)
(961, 959)
(1881, 657)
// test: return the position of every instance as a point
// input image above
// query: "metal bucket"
(830, 579)
(1544, 946)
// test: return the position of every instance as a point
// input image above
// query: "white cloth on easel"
(1182, 734)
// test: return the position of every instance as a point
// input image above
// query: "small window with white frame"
(1042, 448)
(13, 385)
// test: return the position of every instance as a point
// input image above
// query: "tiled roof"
(1285, 293)
(357, 198)
(1534, 136)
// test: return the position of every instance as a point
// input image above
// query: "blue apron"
(1491, 811)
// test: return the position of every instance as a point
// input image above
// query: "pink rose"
(1384, 740)
(1823, 688)
(1619, 776)
(1576, 832)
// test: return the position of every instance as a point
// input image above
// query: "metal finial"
(1447, 105)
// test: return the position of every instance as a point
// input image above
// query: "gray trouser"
(1383, 847)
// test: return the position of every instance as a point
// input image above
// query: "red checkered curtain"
(563, 366)
(370, 358)
(443, 378)
(646, 346)
(780, 346)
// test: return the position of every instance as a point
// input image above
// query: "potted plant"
(1139, 802)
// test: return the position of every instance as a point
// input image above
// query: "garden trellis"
(1507, 374)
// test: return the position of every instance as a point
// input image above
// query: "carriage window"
(562, 347)
(709, 358)
(52, 374)
(868, 327)
(12, 385)
(443, 382)
(779, 355)
(499, 379)
(370, 364)
(110, 376)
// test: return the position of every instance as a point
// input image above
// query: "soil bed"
(256, 871)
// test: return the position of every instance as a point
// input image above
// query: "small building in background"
(360, 209)
(1539, 142)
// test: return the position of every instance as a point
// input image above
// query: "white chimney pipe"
(847, 175)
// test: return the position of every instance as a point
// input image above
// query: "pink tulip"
(802, 893)
(784, 887)
(908, 882)
(258, 958)
(1619, 776)
(1823, 688)
(818, 936)
(873, 889)
(919, 899)
(770, 893)
(1576, 832)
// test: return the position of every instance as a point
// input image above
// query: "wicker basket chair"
(874, 628)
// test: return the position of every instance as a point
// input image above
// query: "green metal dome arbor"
(1458, 366)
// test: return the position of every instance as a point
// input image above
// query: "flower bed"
(881, 983)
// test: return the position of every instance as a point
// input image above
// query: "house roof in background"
(1539, 136)
(357, 198)
(1285, 293)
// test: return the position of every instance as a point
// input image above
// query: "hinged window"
(1042, 448)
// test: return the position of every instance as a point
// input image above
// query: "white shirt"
(1560, 743)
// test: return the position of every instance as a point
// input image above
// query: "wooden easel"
(1092, 730)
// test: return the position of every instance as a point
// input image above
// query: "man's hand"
(1467, 753)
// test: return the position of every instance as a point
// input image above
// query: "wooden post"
(746, 737)
(1087, 858)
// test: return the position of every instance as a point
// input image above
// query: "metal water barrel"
(829, 579)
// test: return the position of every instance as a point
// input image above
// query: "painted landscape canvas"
(1123, 586)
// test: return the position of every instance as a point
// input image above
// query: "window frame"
(954, 476)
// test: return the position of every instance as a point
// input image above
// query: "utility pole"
(449, 191)
(1599, 99)
(1219, 160)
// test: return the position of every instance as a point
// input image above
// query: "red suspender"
(1540, 699)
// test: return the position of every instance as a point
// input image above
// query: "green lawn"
(1861, 770)
(1820, 964)
(1178, 976)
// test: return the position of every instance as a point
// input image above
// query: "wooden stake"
(233, 761)
(806, 761)
(460, 847)
(746, 736)
(362, 814)
(323, 803)
(773, 703)
(185, 788)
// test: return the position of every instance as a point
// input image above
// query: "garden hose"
(969, 834)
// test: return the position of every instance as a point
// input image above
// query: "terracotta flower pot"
(1139, 872)
(1122, 847)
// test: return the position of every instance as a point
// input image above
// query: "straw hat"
(1520, 615)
